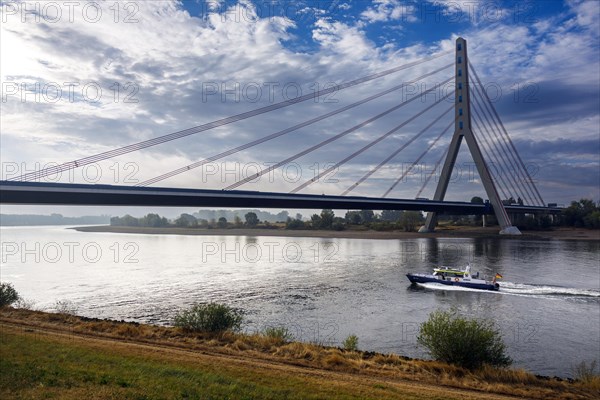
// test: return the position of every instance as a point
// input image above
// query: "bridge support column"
(462, 129)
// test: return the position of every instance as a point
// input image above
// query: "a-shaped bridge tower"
(462, 129)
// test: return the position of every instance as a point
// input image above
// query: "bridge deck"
(111, 195)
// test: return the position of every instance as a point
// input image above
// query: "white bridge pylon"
(462, 129)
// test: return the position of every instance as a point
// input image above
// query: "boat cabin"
(447, 273)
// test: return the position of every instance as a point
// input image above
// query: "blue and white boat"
(455, 277)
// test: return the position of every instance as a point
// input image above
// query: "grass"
(270, 367)
(33, 366)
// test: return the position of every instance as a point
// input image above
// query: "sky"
(83, 77)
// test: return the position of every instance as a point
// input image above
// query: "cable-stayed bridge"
(471, 116)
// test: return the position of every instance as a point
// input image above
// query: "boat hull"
(419, 278)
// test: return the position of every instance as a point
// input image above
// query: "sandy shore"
(454, 232)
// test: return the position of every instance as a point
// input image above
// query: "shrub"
(469, 343)
(584, 372)
(209, 317)
(65, 307)
(8, 294)
(24, 304)
(280, 333)
(410, 220)
(351, 343)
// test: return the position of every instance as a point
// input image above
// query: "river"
(322, 290)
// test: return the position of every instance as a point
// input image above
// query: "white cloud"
(173, 59)
(389, 10)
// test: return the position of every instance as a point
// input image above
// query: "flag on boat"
(498, 276)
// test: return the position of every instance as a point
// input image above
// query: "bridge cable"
(530, 180)
(507, 141)
(504, 187)
(284, 131)
(331, 139)
(214, 124)
(409, 169)
(498, 155)
(374, 142)
(394, 154)
(437, 164)
(519, 182)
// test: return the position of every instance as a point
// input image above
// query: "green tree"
(186, 220)
(251, 219)
(282, 216)
(338, 224)
(8, 294)
(327, 217)
(294, 224)
(126, 220)
(154, 221)
(315, 221)
(367, 216)
(353, 217)
(592, 220)
(410, 220)
(391, 215)
(469, 343)
(476, 200)
(222, 223)
(582, 213)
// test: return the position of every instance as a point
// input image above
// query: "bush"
(8, 294)
(281, 334)
(584, 372)
(209, 317)
(458, 340)
(351, 343)
(410, 220)
(65, 307)
(24, 304)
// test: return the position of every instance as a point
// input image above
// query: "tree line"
(326, 220)
(584, 213)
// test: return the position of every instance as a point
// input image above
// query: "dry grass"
(515, 382)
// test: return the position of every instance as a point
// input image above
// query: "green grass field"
(45, 355)
(36, 366)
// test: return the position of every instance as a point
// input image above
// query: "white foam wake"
(547, 290)
(522, 289)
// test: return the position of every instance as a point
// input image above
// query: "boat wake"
(547, 290)
(521, 289)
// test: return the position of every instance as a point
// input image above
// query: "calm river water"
(322, 290)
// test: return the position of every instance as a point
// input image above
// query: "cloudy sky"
(80, 78)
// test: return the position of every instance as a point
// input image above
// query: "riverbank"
(70, 357)
(443, 232)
